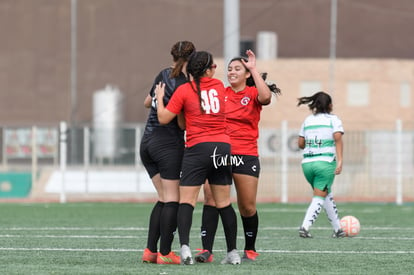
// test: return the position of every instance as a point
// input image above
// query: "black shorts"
(206, 160)
(246, 165)
(162, 154)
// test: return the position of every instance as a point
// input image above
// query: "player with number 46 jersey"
(207, 155)
(209, 124)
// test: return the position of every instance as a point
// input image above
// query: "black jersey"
(171, 85)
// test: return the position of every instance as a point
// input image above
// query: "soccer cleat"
(339, 234)
(170, 258)
(232, 257)
(304, 233)
(185, 254)
(149, 257)
(204, 256)
(250, 256)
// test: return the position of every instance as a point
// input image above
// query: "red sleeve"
(176, 103)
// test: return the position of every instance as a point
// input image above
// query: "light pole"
(231, 30)
(332, 51)
(73, 79)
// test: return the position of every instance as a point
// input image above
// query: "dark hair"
(320, 102)
(181, 51)
(198, 64)
(250, 81)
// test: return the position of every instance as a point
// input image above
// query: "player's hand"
(159, 91)
(251, 62)
(338, 169)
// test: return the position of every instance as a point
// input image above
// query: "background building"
(126, 42)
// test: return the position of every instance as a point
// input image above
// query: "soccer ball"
(350, 225)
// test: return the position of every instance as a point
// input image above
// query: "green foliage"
(108, 238)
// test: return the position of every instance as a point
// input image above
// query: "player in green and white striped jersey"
(320, 137)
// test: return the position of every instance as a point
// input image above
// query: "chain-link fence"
(378, 165)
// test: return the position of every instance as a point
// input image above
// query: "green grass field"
(108, 238)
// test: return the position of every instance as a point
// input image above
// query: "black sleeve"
(158, 78)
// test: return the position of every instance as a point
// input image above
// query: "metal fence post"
(63, 149)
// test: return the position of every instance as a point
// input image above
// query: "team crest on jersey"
(245, 100)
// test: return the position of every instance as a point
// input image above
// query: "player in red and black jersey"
(245, 96)
(207, 155)
(161, 151)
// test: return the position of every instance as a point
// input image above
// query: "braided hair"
(198, 64)
(180, 52)
(250, 81)
(320, 102)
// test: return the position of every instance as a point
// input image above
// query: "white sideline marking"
(70, 236)
(69, 249)
(260, 251)
(303, 210)
(141, 237)
(337, 252)
(330, 228)
(74, 228)
(145, 228)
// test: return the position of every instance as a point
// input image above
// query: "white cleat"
(185, 255)
(232, 257)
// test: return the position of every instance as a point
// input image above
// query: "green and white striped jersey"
(318, 132)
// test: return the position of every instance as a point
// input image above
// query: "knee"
(247, 210)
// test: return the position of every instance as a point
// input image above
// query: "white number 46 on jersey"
(210, 101)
